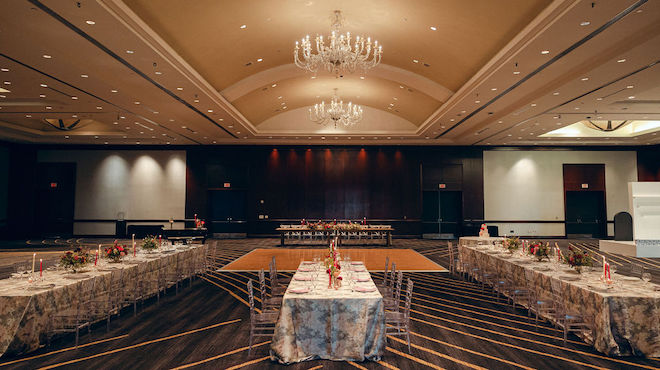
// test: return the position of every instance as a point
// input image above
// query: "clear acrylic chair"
(262, 324)
(392, 303)
(109, 301)
(281, 279)
(388, 290)
(539, 304)
(383, 282)
(268, 303)
(137, 289)
(567, 320)
(76, 317)
(398, 323)
(276, 289)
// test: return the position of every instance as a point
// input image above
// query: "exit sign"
(585, 186)
(53, 184)
(442, 186)
(227, 185)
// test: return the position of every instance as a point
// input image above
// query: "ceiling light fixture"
(243, 26)
(544, 52)
(90, 22)
(47, 56)
(336, 112)
(340, 55)
(620, 60)
(4, 69)
(585, 23)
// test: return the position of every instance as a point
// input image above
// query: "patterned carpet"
(455, 325)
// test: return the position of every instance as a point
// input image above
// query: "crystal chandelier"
(336, 112)
(338, 55)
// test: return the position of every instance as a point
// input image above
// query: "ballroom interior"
(335, 184)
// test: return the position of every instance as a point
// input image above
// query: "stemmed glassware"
(646, 278)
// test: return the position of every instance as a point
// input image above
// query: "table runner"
(626, 319)
(24, 314)
(343, 324)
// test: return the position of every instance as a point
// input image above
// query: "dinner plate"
(40, 286)
(543, 269)
(362, 279)
(357, 263)
(570, 278)
(629, 278)
(76, 276)
(304, 269)
(359, 270)
(299, 290)
(302, 278)
(365, 289)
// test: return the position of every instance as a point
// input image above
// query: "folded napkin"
(359, 269)
(304, 269)
(302, 278)
(308, 262)
(365, 289)
(357, 263)
(362, 279)
(299, 290)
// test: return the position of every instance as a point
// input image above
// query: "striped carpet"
(455, 325)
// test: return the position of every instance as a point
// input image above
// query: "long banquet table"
(342, 324)
(626, 318)
(25, 309)
(331, 233)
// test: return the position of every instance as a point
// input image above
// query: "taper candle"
(34, 257)
(41, 267)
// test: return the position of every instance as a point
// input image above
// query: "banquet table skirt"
(24, 314)
(626, 321)
(350, 329)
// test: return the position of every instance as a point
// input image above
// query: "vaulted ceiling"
(221, 72)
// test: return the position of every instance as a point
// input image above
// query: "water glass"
(646, 277)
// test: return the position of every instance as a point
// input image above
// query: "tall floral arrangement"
(75, 259)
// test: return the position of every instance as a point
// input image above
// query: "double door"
(442, 213)
(227, 211)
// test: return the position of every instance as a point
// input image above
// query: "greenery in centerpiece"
(512, 243)
(75, 260)
(149, 243)
(116, 252)
(577, 259)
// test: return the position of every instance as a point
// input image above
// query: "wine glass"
(646, 277)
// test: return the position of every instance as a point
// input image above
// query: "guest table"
(25, 307)
(331, 232)
(626, 315)
(347, 324)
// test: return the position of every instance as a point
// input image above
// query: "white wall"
(140, 185)
(528, 185)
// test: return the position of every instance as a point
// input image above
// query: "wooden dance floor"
(289, 259)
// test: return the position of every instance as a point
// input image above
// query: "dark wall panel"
(648, 164)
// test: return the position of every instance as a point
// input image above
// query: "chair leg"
(250, 350)
(408, 339)
(77, 334)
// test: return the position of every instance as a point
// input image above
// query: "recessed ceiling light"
(179, 88)
(361, 77)
(49, 107)
(284, 107)
(631, 97)
(42, 85)
(137, 103)
(28, 115)
(84, 76)
(629, 87)
(4, 69)
(115, 123)
(599, 98)
(130, 51)
(493, 89)
(555, 93)
(158, 72)
(99, 107)
(113, 91)
(400, 86)
(516, 72)
(477, 101)
(42, 95)
(260, 60)
(96, 137)
(230, 126)
(585, 23)
(122, 117)
(46, 56)
(244, 26)
(427, 137)
(533, 104)
(221, 119)
(415, 61)
(90, 22)
(545, 52)
(313, 77)
(74, 98)
(585, 78)
(238, 132)
(210, 110)
(105, 142)
(273, 85)
(433, 28)
(66, 136)
(155, 112)
(620, 60)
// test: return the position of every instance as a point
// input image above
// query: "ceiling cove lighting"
(348, 115)
(340, 54)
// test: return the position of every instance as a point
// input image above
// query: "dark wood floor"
(454, 325)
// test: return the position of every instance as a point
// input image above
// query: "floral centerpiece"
(577, 259)
(540, 251)
(531, 247)
(116, 252)
(333, 268)
(512, 243)
(75, 260)
(149, 243)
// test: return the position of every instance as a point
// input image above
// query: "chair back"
(387, 266)
(636, 270)
(558, 298)
(409, 290)
(251, 298)
(262, 286)
(397, 292)
(392, 275)
(450, 248)
(272, 274)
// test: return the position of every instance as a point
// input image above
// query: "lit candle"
(160, 241)
(41, 267)
(96, 258)
(34, 257)
(133, 239)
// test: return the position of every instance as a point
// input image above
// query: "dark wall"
(380, 183)
(648, 164)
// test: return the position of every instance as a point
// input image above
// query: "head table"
(626, 314)
(25, 307)
(344, 324)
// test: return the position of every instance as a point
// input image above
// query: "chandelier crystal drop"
(338, 54)
(337, 112)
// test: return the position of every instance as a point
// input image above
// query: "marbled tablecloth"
(343, 324)
(626, 317)
(24, 312)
